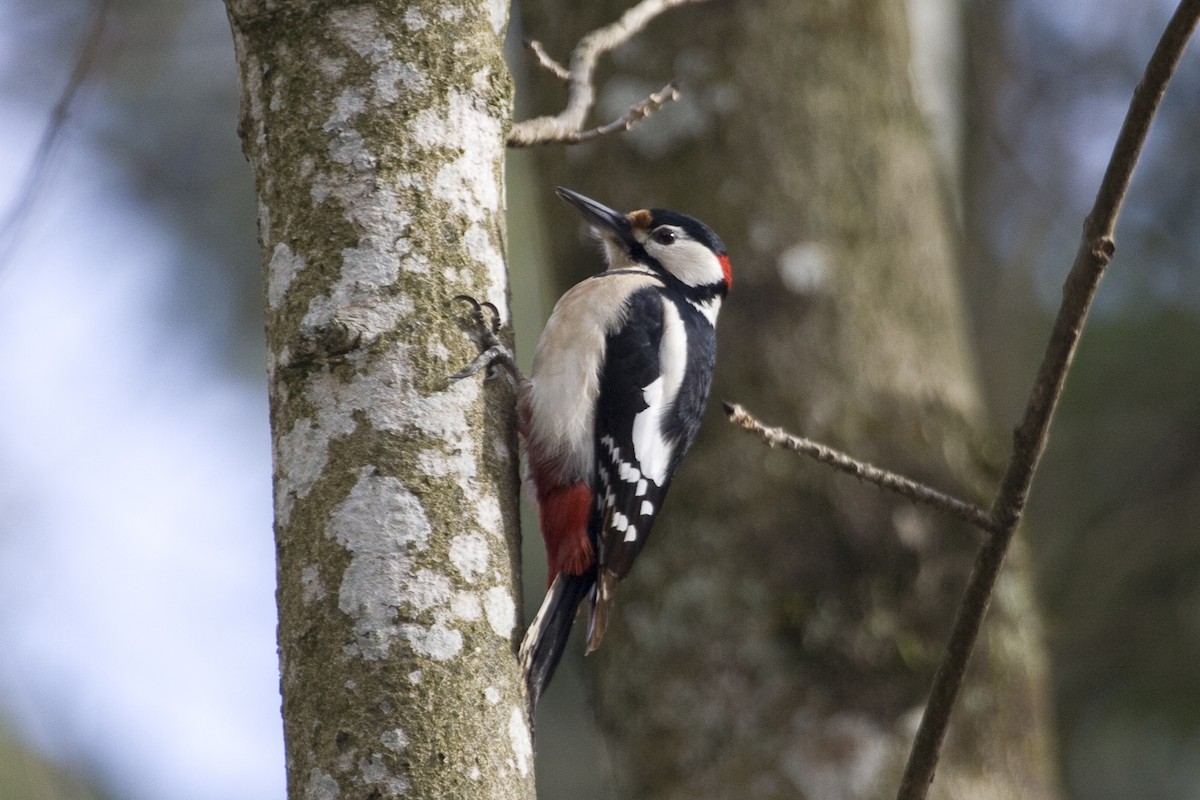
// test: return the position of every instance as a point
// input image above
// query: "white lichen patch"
(392, 79)
(427, 589)
(381, 523)
(417, 262)
(360, 294)
(374, 771)
(281, 272)
(469, 555)
(414, 20)
(393, 404)
(321, 786)
(346, 106)
(466, 606)
(479, 245)
(414, 677)
(312, 588)
(468, 184)
(331, 68)
(480, 79)
(498, 13)
(395, 79)
(438, 641)
(500, 610)
(301, 455)
(451, 13)
(395, 740)
(492, 695)
(522, 744)
(457, 464)
(359, 28)
(348, 147)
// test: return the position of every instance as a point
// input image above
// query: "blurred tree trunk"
(779, 635)
(375, 132)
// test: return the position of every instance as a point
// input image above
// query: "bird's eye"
(664, 236)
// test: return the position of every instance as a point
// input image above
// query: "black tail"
(547, 636)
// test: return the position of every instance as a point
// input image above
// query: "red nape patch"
(563, 513)
(727, 269)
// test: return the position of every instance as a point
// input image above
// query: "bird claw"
(490, 330)
(487, 333)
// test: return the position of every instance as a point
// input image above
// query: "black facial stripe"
(689, 225)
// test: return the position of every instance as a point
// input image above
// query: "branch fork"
(567, 127)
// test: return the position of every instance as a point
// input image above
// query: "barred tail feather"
(547, 636)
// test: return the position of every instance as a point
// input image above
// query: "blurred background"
(137, 653)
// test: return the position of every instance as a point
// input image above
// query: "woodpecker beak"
(601, 217)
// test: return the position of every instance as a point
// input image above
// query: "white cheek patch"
(690, 262)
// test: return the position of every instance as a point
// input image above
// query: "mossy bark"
(375, 132)
(779, 634)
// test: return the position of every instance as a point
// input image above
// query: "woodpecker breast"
(559, 402)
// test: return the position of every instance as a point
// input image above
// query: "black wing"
(646, 419)
(627, 499)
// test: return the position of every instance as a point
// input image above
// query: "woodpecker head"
(665, 242)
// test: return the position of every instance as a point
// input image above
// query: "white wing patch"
(653, 451)
(650, 447)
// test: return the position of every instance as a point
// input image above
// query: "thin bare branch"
(1029, 440)
(568, 126)
(12, 221)
(917, 492)
(546, 62)
(635, 114)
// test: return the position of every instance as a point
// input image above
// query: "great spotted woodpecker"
(619, 383)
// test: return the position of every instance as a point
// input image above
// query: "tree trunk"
(779, 635)
(375, 133)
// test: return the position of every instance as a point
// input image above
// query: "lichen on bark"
(375, 131)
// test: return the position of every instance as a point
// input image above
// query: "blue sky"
(137, 630)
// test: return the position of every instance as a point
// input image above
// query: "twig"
(18, 211)
(546, 62)
(567, 126)
(635, 114)
(1029, 440)
(917, 492)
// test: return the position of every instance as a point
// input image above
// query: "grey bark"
(375, 133)
(779, 634)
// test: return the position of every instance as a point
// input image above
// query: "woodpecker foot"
(486, 332)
